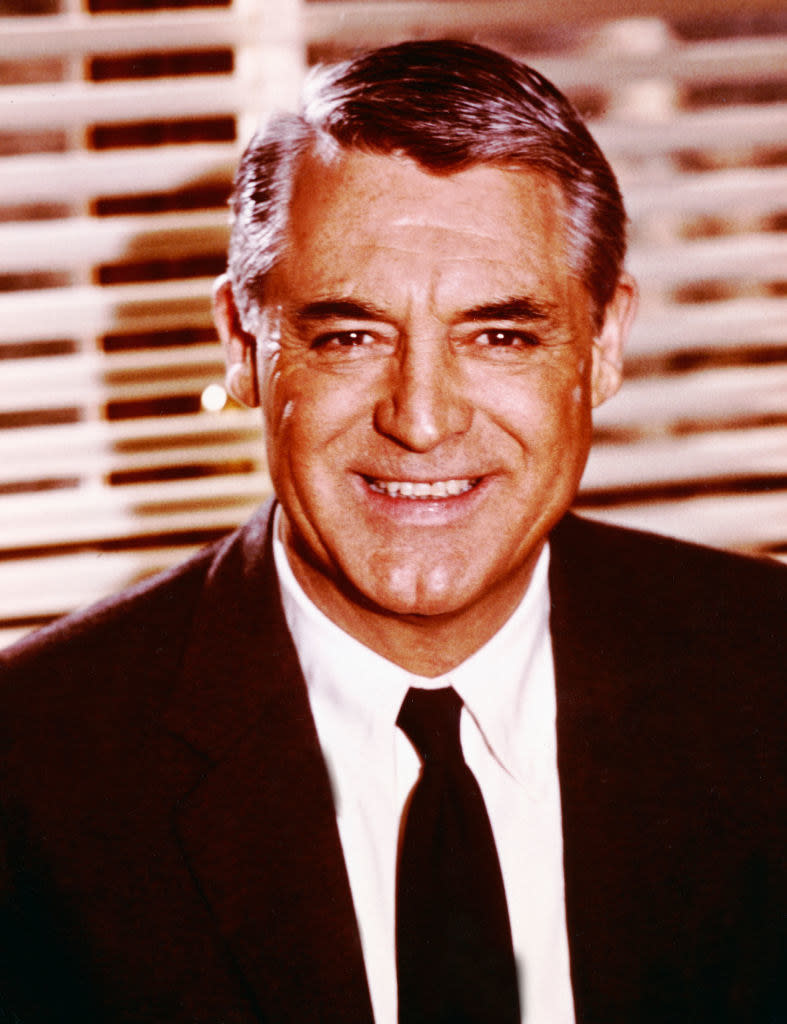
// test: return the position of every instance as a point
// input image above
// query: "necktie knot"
(430, 720)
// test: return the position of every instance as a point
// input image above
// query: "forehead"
(363, 220)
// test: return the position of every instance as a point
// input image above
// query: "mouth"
(419, 490)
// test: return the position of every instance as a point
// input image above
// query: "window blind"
(119, 132)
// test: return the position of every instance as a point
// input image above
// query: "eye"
(506, 338)
(343, 339)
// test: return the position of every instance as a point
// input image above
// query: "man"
(210, 796)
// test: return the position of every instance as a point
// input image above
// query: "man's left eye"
(506, 339)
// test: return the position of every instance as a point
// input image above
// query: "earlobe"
(611, 339)
(238, 345)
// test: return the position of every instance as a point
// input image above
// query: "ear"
(609, 343)
(239, 346)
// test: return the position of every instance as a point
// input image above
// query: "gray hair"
(447, 105)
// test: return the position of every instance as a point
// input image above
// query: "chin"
(407, 592)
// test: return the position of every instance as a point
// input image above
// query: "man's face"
(426, 368)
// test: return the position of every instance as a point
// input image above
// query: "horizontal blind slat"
(687, 63)
(746, 522)
(729, 194)
(46, 586)
(739, 323)
(347, 22)
(96, 434)
(95, 464)
(95, 514)
(737, 125)
(75, 104)
(77, 34)
(61, 312)
(109, 365)
(695, 458)
(91, 391)
(125, 525)
(77, 176)
(738, 256)
(711, 395)
(74, 241)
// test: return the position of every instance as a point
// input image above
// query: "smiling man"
(427, 361)
(415, 744)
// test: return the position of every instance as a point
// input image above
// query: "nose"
(424, 404)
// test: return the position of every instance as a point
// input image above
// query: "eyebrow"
(339, 308)
(515, 308)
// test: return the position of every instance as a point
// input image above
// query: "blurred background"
(120, 125)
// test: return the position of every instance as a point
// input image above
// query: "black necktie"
(455, 959)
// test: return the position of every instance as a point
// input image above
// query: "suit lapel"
(598, 769)
(259, 831)
(622, 905)
(580, 672)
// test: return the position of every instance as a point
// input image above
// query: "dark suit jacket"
(169, 850)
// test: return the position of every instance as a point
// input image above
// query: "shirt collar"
(507, 685)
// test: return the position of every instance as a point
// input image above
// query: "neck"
(426, 645)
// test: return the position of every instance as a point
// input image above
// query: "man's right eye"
(343, 339)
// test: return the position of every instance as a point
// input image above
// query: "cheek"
(568, 391)
(280, 408)
(283, 379)
(307, 413)
(539, 405)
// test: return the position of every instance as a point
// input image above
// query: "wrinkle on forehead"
(401, 280)
(446, 278)
(380, 229)
(359, 182)
(439, 227)
(544, 201)
(446, 253)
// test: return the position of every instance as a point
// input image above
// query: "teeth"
(418, 489)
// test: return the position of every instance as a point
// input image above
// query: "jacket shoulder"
(124, 619)
(669, 608)
(644, 566)
(119, 659)
(105, 671)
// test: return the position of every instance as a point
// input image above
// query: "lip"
(434, 489)
(431, 510)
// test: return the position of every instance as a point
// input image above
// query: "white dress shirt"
(508, 738)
